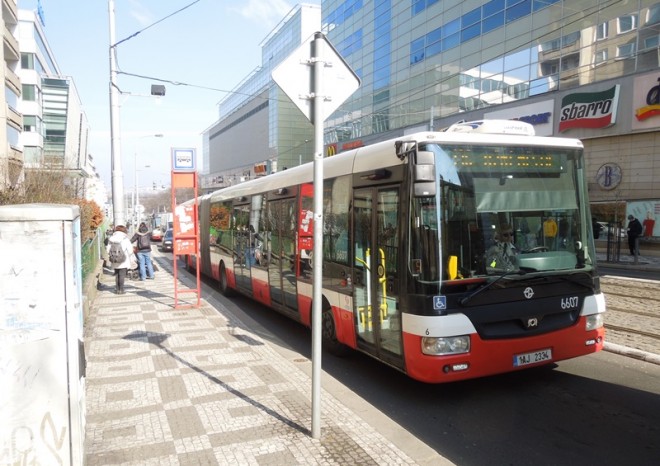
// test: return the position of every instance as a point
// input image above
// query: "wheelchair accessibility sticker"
(439, 302)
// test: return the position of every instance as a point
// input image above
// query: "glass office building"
(256, 120)
(425, 64)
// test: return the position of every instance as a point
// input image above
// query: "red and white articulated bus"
(408, 276)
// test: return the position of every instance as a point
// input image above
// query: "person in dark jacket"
(143, 240)
(634, 232)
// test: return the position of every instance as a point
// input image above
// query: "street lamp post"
(135, 179)
(117, 175)
(118, 206)
(136, 203)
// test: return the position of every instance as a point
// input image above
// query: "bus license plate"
(532, 358)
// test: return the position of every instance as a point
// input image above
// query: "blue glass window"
(433, 36)
(540, 4)
(471, 32)
(452, 41)
(433, 49)
(382, 59)
(490, 16)
(518, 11)
(452, 27)
(471, 17)
(418, 6)
(417, 51)
(381, 77)
(382, 56)
(493, 22)
(351, 44)
(343, 12)
(492, 7)
(380, 41)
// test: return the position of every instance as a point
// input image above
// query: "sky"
(208, 47)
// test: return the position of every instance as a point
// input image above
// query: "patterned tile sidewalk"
(168, 386)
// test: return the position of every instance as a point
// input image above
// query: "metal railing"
(91, 253)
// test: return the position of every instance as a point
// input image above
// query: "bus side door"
(282, 261)
(376, 278)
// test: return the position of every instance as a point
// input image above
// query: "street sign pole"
(317, 80)
(317, 121)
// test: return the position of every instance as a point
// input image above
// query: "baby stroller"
(134, 272)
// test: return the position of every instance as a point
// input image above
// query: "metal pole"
(137, 196)
(115, 143)
(317, 102)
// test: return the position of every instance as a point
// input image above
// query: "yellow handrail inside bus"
(365, 311)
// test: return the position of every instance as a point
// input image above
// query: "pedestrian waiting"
(634, 232)
(143, 243)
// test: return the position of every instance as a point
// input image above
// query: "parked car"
(607, 231)
(156, 234)
(168, 241)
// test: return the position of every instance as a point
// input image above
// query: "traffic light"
(155, 186)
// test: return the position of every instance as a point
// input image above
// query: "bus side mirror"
(423, 174)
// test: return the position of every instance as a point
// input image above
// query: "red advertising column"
(185, 223)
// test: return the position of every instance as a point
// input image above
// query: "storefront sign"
(538, 114)
(352, 145)
(609, 176)
(589, 109)
(652, 107)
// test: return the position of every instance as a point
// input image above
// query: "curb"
(632, 353)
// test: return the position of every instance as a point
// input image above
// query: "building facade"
(55, 129)
(259, 130)
(578, 68)
(11, 120)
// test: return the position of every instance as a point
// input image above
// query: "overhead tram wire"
(197, 86)
(153, 24)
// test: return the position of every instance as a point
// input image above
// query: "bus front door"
(375, 273)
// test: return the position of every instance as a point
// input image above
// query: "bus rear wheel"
(223, 282)
(329, 334)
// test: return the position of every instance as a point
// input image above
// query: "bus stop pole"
(317, 102)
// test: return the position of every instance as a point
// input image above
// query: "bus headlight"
(594, 321)
(438, 346)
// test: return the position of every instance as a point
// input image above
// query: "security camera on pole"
(302, 76)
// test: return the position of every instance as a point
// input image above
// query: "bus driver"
(502, 255)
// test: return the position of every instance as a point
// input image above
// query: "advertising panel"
(646, 102)
(538, 114)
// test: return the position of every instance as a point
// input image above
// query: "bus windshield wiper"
(521, 271)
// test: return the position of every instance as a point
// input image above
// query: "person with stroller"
(143, 240)
(121, 259)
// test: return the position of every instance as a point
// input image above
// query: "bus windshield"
(498, 210)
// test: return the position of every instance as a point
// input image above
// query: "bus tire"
(223, 283)
(329, 333)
